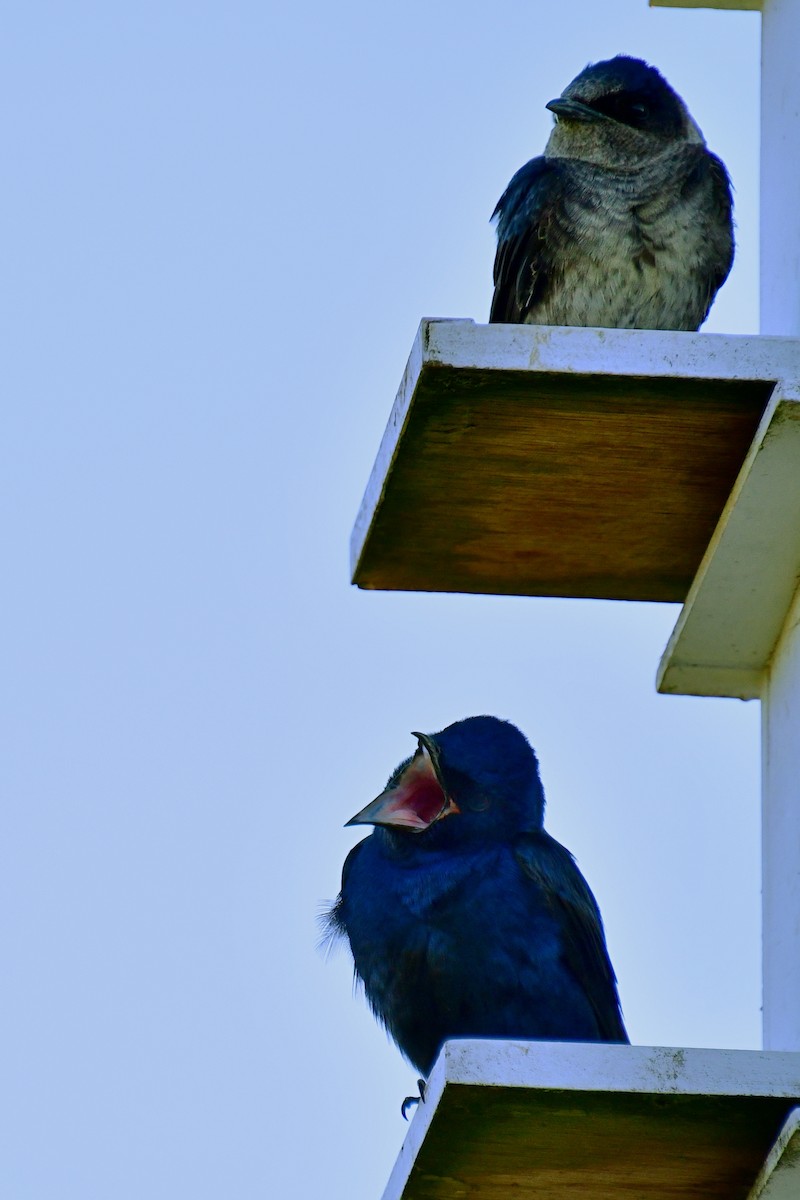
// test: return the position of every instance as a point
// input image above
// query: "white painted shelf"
(736, 5)
(737, 605)
(536, 460)
(549, 1120)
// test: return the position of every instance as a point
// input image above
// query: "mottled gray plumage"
(625, 221)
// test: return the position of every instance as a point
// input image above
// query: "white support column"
(780, 314)
(780, 715)
(779, 685)
(780, 167)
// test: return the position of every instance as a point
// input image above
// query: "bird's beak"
(574, 110)
(417, 799)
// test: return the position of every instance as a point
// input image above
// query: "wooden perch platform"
(532, 460)
(567, 1121)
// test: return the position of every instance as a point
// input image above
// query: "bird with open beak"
(465, 919)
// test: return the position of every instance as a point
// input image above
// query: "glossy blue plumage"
(479, 925)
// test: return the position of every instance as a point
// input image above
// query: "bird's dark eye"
(634, 112)
(640, 112)
(482, 805)
(477, 802)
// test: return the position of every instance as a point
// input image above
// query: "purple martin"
(465, 919)
(625, 220)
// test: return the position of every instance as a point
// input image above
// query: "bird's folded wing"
(553, 869)
(526, 246)
(707, 174)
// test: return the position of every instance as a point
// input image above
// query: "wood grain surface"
(542, 484)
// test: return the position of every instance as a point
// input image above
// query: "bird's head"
(618, 114)
(478, 778)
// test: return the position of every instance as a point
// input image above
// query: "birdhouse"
(526, 460)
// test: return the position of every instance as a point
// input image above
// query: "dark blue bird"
(466, 919)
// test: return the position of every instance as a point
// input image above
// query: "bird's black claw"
(411, 1101)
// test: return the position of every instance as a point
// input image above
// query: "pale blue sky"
(222, 226)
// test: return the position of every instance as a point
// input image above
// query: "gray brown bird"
(625, 220)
